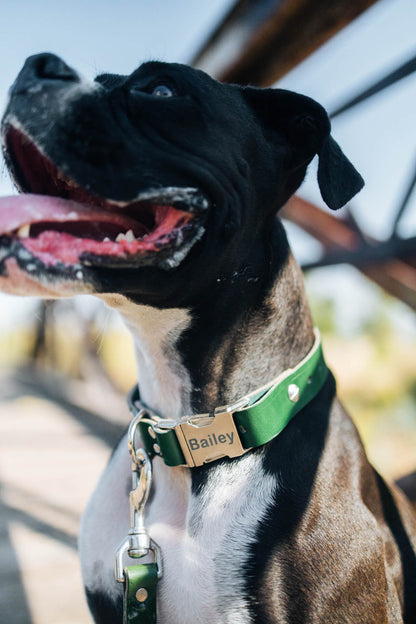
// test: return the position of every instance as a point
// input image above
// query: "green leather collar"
(234, 429)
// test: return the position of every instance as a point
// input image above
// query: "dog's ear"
(305, 125)
(338, 179)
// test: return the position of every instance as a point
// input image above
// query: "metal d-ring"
(124, 548)
(138, 457)
(131, 435)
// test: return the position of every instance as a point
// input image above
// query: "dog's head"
(154, 184)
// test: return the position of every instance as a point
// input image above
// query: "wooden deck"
(51, 455)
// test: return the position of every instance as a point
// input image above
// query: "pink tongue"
(19, 210)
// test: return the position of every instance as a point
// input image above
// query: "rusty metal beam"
(403, 71)
(261, 40)
(395, 274)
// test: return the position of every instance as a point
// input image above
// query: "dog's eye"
(162, 91)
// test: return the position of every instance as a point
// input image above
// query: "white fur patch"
(204, 568)
(205, 539)
(164, 382)
(165, 387)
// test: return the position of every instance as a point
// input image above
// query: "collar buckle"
(207, 437)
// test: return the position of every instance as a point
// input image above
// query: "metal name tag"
(209, 438)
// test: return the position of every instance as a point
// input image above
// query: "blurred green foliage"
(375, 368)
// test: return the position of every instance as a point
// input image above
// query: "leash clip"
(138, 542)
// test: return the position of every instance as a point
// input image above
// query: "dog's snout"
(42, 69)
(51, 67)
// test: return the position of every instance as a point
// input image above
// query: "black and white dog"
(158, 193)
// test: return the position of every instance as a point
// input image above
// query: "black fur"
(103, 609)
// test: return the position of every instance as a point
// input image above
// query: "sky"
(378, 136)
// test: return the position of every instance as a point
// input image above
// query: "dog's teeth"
(23, 231)
(106, 240)
(128, 236)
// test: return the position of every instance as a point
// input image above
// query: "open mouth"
(56, 223)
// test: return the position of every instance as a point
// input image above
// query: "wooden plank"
(397, 276)
(260, 41)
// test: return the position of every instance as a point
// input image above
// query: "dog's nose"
(50, 67)
(42, 69)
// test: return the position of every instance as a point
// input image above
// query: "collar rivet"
(293, 392)
(141, 594)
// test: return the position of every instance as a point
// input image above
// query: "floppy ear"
(338, 179)
(305, 125)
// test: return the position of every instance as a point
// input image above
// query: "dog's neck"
(262, 342)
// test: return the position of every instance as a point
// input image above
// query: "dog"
(158, 192)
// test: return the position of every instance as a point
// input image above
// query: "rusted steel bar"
(399, 73)
(261, 40)
(393, 269)
(404, 203)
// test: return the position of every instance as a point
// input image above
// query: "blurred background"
(65, 366)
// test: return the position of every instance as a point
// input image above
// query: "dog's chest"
(205, 538)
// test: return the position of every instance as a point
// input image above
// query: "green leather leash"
(229, 431)
(140, 594)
